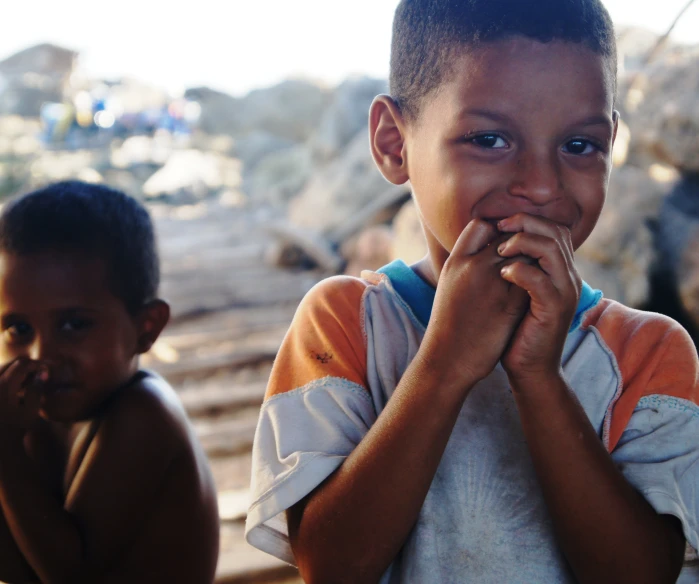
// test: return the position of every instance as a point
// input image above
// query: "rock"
(294, 246)
(340, 189)
(34, 76)
(194, 173)
(370, 249)
(678, 243)
(290, 110)
(140, 150)
(279, 176)
(409, 242)
(347, 115)
(663, 112)
(219, 111)
(62, 165)
(619, 254)
(256, 145)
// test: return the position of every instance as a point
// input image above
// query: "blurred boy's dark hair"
(74, 216)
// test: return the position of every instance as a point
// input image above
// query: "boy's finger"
(534, 281)
(20, 372)
(475, 236)
(546, 251)
(536, 225)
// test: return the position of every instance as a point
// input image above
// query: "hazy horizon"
(241, 46)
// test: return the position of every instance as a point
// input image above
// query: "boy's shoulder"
(337, 291)
(655, 360)
(149, 405)
(629, 332)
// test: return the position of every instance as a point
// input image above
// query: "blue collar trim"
(419, 295)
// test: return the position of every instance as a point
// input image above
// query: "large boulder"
(34, 76)
(290, 110)
(347, 115)
(279, 176)
(663, 112)
(619, 254)
(190, 174)
(219, 111)
(256, 145)
(678, 244)
(339, 191)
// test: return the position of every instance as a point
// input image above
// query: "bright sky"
(238, 45)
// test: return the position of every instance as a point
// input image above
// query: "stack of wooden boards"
(230, 313)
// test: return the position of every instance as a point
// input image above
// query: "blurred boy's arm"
(607, 530)
(13, 566)
(111, 494)
(354, 524)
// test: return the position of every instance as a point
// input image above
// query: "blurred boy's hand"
(553, 285)
(19, 395)
(475, 310)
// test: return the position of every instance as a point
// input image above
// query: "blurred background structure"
(258, 193)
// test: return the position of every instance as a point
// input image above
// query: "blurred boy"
(101, 476)
(484, 415)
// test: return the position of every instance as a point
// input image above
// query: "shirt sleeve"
(316, 410)
(658, 450)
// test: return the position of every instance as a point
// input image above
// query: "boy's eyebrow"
(74, 309)
(595, 120)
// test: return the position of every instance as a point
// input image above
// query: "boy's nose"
(537, 177)
(42, 350)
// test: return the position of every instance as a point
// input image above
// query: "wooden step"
(227, 437)
(240, 563)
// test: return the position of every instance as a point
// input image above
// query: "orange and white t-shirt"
(484, 519)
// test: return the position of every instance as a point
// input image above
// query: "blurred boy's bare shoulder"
(142, 486)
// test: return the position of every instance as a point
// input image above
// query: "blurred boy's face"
(519, 126)
(57, 308)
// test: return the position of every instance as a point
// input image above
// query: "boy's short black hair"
(428, 33)
(94, 219)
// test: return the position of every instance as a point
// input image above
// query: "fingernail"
(502, 223)
(501, 248)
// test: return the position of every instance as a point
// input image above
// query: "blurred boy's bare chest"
(59, 452)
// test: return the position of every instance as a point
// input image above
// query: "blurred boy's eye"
(18, 331)
(580, 146)
(489, 141)
(75, 325)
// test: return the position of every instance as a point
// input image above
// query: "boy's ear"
(387, 136)
(151, 322)
(616, 116)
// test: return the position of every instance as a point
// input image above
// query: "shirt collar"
(419, 295)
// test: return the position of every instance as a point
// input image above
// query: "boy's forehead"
(53, 279)
(521, 76)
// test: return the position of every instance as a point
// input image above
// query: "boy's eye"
(580, 146)
(18, 331)
(75, 325)
(489, 141)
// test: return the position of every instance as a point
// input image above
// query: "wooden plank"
(219, 398)
(240, 563)
(233, 504)
(200, 368)
(227, 437)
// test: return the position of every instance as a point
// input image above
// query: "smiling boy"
(101, 476)
(485, 416)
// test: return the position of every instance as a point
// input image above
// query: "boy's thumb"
(475, 236)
